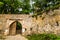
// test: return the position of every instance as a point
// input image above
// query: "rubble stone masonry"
(45, 24)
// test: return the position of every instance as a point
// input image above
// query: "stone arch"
(10, 21)
(13, 26)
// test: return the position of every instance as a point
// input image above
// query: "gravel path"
(17, 37)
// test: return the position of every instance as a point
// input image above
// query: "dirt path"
(17, 37)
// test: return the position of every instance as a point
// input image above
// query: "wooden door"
(12, 29)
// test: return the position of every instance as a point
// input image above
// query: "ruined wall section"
(46, 24)
(49, 23)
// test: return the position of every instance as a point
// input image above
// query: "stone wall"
(46, 24)
(7, 19)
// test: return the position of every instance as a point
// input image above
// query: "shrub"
(43, 37)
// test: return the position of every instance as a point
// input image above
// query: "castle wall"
(45, 24)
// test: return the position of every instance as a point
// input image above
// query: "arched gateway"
(11, 22)
(15, 28)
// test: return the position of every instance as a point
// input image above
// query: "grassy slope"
(43, 37)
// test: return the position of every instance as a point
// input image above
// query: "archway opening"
(15, 28)
(18, 28)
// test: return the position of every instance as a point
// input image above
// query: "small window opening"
(31, 29)
(0, 31)
(57, 23)
(25, 29)
(43, 18)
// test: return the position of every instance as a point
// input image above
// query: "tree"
(14, 6)
(26, 7)
(45, 6)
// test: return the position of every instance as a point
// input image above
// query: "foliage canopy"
(24, 6)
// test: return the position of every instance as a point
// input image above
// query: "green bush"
(43, 37)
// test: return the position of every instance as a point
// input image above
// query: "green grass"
(43, 37)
